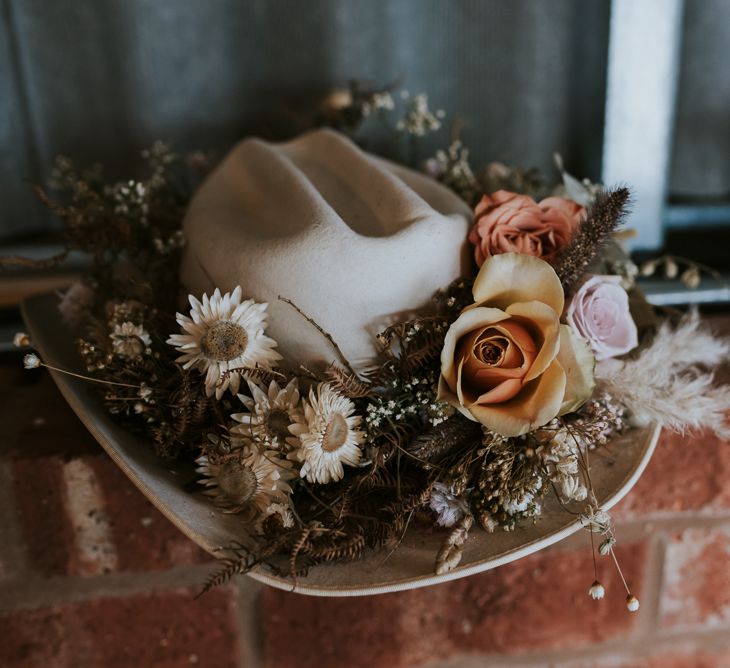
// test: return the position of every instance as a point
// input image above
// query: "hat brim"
(614, 470)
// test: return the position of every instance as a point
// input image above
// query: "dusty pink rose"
(505, 222)
(599, 312)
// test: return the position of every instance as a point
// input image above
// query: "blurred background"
(636, 91)
(631, 91)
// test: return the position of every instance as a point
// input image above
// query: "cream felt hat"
(353, 240)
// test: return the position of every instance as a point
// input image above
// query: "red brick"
(36, 418)
(697, 579)
(165, 630)
(539, 602)
(687, 474)
(676, 657)
(132, 535)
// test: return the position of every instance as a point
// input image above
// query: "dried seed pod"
(452, 550)
(606, 546)
(670, 268)
(691, 278)
(444, 439)
(648, 268)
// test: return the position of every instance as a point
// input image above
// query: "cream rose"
(507, 362)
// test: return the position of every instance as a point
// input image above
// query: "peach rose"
(507, 362)
(506, 222)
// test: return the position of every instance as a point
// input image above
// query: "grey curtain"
(101, 79)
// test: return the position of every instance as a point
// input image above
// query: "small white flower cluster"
(419, 120)
(421, 402)
(130, 199)
(174, 241)
(380, 100)
(146, 399)
(452, 168)
(562, 461)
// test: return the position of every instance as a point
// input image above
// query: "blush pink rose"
(599, 312)
(505, 222)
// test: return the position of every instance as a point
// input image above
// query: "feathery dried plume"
(667, 382)
(606, 214)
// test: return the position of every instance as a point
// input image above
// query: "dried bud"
(597, 591)
(31, 361)
(487, 522)
(670, 268)
(606, 546)
(648, 268)
(632, 603)
(691, 278)
(337, 100)
(21, 340)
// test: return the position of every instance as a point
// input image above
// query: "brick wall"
(92, 575)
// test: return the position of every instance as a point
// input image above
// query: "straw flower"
(222, 336)
(246, 478)
(129, 340)
(326, 436)
(270, 413)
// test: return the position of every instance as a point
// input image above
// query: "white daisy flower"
(221, 336)
(327, 436)
(129, 340)
(270, 413)
(246, 478)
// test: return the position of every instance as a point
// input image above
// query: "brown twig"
(322, 331)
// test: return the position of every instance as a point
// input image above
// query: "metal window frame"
(643, 69)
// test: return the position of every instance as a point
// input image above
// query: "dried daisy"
(270, 413)
(246, 478)
(222, 336)
(129, 340)
(327, 435)
(277, 516)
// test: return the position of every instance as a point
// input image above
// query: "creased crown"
(354, 240)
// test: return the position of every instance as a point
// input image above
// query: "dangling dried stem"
(324, 333)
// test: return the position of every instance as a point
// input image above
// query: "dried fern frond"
(608, 210)
(351, 385)
(239, 564)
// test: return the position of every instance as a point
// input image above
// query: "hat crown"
(354, 240)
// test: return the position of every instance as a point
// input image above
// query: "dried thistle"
(606, 214)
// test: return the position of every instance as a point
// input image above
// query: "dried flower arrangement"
(473, 412)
